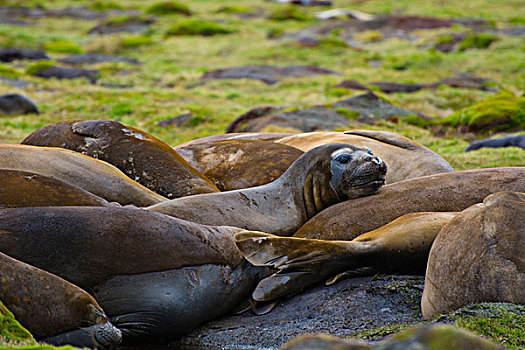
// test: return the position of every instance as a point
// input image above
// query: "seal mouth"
(371, 183)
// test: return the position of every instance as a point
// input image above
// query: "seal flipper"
(98, 336)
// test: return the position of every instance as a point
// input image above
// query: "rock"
(389, 87)
(178, 121)
(92, 58)
(19, 84)
(131, 24)
(468, 81)
(371, 108)
(15, 104)
(351, 85)
(422, 337)
(14, 53)
(267, 74)
(309, 119)
(338, 13)
(343, 309)
(509, 141)
(69, 73)
(478, 257)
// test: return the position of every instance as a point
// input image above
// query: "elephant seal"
(478, 257)
(401, 246)
(52, 308)
(319, 178)
(155, 276)
(509, 141)
(454, 191)
(237, 164)
(395, 150)
(139, 155)
(93, 175)
(254, 136)
(24, 189)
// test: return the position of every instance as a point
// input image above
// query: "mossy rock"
(477, 41)
(274, 33)
(416, 120)
(168, 8)
(290, 13)
(136, 41)
(198, 27)
(11, 332)
(503, 112)
(105, 6)
(332, 42)
(369, 36)
(63, 46)
(8, 72)
(39, 66)
(234, 10)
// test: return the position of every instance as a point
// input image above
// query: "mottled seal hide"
(237, 164)
(139, 155)
(321, 177)
(478, 257)
(52, 308)
(155, 276)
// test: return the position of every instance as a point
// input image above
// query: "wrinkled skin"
(52, 308)
(478, 257)
(137, 154)
(155, 276)
(320, 178)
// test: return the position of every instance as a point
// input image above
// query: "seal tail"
(300, 262)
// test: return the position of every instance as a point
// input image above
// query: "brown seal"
(254, 136)
(139, 155)
(321, 177)
(24, 189)
(454, 191)
(90, 174)
(155, 276)
(401, 246)
(237, 164)
(478, 257)
(395, 150)
(52, 308)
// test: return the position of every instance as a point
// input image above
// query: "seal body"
(478, 257)
(319, 178)
(261, 136)
(448, 192)
(156, 277)
(24, 189)
(406, 159)
(139, 155)
(92, 175)
(237, 164)
(401, 246)
(50, 307)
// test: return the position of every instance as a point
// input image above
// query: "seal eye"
(343, 159)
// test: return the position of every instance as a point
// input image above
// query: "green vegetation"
(168, 8)
(477, 41)
(289, 13)
(62, 46)
(503, 112)
(8, 72)
(11, 332)
(39, 66)
(105, 6)
(369, 36)
(198, 27)
(234, 9)
(136, 41)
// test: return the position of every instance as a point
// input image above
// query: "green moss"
(517, 20)
(63, 46)
(337, 92)
(447, 39)
(503, 112)
(274, 33)
(379, 332)
(119, 20)
(369, 36)
(168, 8)
(477, 41)
(11, 332)
(348, 114)
(136, 41)
(105, 6)
(332, 42)
(416, 120)
(8, 72)
(198, 27)
(290, 13)
(234, 9)
(39, 66)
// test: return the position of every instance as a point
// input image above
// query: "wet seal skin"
(52, 309)
(478, 257)
(236, 164)
(406, 159)
(139, 155)
(321, 177)
(90, 174)
(24, 189)
(156, 277)
(448, 192)
(401, 246)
